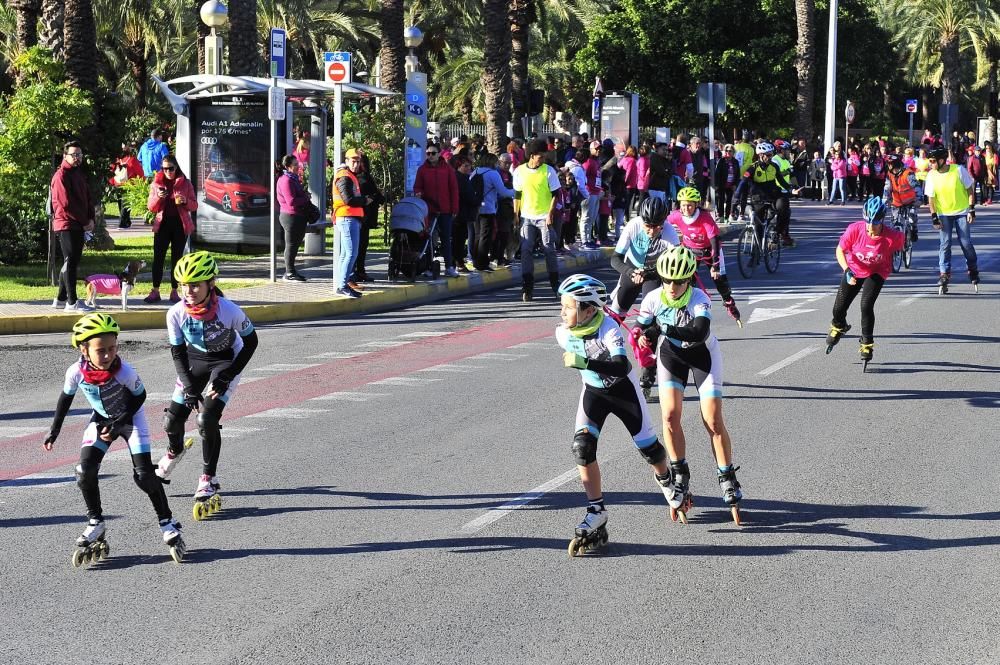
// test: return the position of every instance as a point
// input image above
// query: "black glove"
(192, 400)
(935, 222)
(50, 440)
(220, 384)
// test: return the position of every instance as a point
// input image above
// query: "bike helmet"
(765, 148)
(780, 144)
(689, 194)
(653, 211)
(93, 325)
(894, 159)
(940, 154)
(196, 267)
(676, 263)
(585, 290)
(874, 210)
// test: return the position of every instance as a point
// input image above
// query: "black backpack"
(478, 187)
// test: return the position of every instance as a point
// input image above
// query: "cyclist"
(211, 341)
(865, 255)
(700, 234)
(900, 191)
(116, 395)
(677, 317)
(593, 344)
(767, 186)
(951, 193)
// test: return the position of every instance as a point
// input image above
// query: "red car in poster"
(235, 192)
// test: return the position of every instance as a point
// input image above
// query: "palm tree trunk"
(467, 111)
(951, 80)
(203, 31)
(80, 35)
(26, 16)
(310, 66)
(496, 72)
(135, 54)
(392, 53)
(244, 56)
(53, 19)
(521, 15)
(805, 66)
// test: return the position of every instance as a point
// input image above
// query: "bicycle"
(908, 215)
(759, 241)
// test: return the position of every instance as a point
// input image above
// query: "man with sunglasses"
(72, 217)
(437, 184)
(951, 194)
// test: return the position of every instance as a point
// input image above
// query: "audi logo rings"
(209, 140)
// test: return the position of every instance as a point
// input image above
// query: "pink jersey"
(867, 256)
(698, 234)
(108, 285)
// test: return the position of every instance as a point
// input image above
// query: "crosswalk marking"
(285, 412)
(339, 355)
(347, 396)
(426, 334)
(284, 367)
(402, 381)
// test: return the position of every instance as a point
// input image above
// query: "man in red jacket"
(72, 216)
(437, 184)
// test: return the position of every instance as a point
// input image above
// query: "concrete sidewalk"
(292, 301)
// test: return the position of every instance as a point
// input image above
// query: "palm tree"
(521, 14)
(80, 34)
(805, 66)
(53, 19)
(496, 72)
(244, 53)
(27, 13)
(393, 49)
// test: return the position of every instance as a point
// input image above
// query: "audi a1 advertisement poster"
(232, 177)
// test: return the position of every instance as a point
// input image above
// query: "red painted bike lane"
(24, 455)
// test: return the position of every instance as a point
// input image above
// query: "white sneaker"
(80, 306)
(58, 304)
(451, 272)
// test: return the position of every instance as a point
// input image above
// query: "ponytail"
(282, 165)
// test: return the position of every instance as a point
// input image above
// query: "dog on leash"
(121, 283)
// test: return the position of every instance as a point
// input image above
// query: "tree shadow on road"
(977, 398)
(929, 366)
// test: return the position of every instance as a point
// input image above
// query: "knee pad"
(146, 479)
(174, 417)
(86, 475)
(208, 423)
(584, 447)
(654, 453)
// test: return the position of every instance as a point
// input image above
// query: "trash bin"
(315, 242)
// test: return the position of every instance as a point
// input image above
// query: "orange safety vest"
(902, 192)
(340, 206)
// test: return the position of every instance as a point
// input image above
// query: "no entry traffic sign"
(338, 66)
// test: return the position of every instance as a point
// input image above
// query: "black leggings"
(203, 372)
(621, 400)
(90, 462)
(869, 287)
(295, 231)
(170, 235)
(71, 244)
(628, 290)
(725, 203)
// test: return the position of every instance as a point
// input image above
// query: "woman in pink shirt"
(853, 169)
(865, 255)
(629, 166)
(838, 171)
(642, 175)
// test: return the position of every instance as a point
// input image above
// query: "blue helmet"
(585, 290)
(874, 210)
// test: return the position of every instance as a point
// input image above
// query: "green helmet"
(195, 267)
(689, 194)
(676, 263)
(93, 325)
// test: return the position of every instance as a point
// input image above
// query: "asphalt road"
(399, 488)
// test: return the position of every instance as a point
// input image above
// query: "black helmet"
(653, 211)
(940, 154)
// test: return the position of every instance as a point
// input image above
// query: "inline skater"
(700, 234)
(767, 185)
(865, 255)
(678, 317)
(211, 341)
(951, 194)
(593, 344)
(901, 191)
(116, 395)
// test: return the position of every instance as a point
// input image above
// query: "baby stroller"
(411, 251)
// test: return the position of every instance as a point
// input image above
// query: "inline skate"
(733, 311)
(867, 350)
(170, 460)
(91, 545)
(943, 283)
(836, 332)
(647, 380)
(207, 500)
(172, 539)
(591, 534)
(974, 278)
(678, 492)
(731, 493)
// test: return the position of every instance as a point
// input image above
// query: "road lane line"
(447, 368)
(387, 344)
(426, 334)
(788, 361)
(286, 412)
(339, 355)
(402, 381)
(908, 301)
(533, 495)
(347, 396)
(500, 356)
(285, 367)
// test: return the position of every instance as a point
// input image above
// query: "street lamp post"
(215, 15)
(831, 79)
(416, 109)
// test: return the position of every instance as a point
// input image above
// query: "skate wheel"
(78, 558)
(102, 551)
(735, 510)
(683, 516)
(198, 511)
(575, 547)
(942, 290)
(216, 503)
(177, 552)
(188, 442)
(829, 348)
(673, 514)
(739, 323)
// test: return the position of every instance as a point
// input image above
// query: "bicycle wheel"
(897, 261)
(772, 247)
(907, 250)
(744, 252)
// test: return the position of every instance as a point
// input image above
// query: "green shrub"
(24, 236)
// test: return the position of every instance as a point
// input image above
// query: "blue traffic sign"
(279, 59)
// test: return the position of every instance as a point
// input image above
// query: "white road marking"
(283, 412)
(783, 296)
(162, 397)
(346, 396)
(912, 299)
(500, 511)
(386, 344)
(284, 367)
(426, 334)
(402, 381)
(535, 345)
(232, 430)
(500, 356)
(447, 368)
(14, 431)
(788, 361)
(339, 355)
(761, 314)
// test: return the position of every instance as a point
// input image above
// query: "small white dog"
(112, 285)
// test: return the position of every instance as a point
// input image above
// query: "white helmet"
(585, 289)
(765, 148)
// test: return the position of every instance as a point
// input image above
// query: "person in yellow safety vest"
(951, 193)
(349, 213)
(900, 191)
(921, 165)
(535, 186)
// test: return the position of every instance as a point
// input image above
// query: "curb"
(373, 301)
